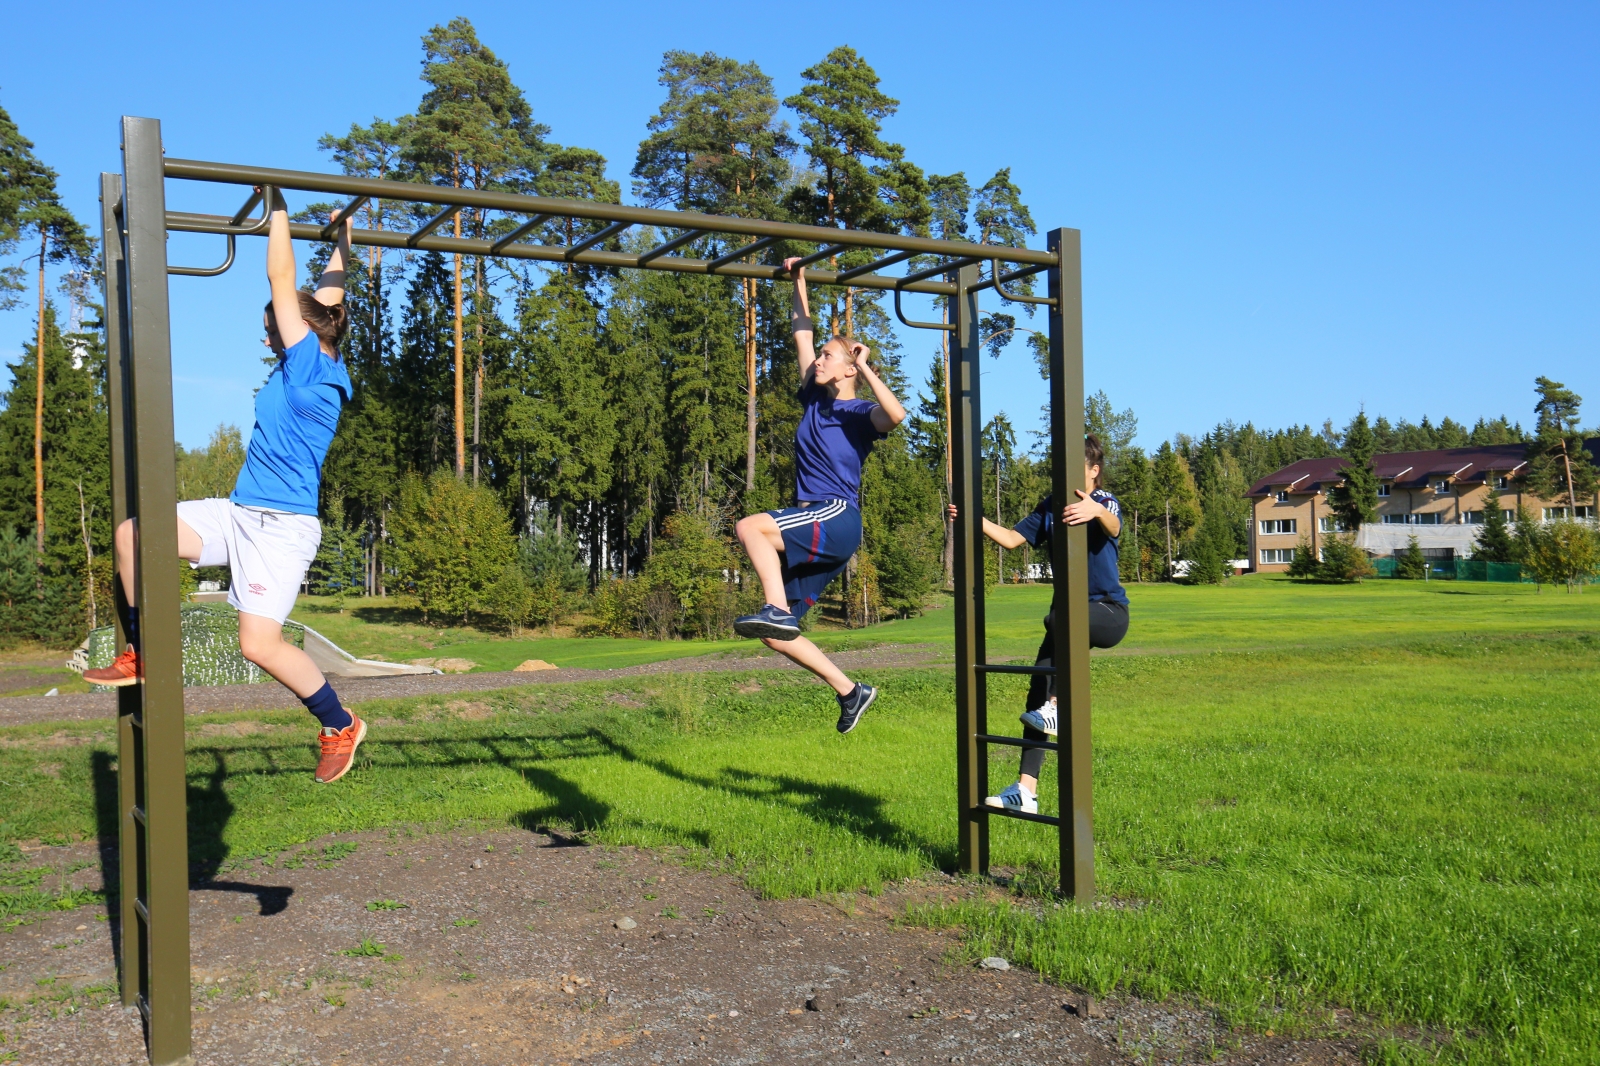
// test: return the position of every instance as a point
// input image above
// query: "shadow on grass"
(827, 803)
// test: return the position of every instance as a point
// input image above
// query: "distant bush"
(1410, 564)
(1341, 561)
(454, 550)
(1560, 553)
(551, 563)
(685, 590)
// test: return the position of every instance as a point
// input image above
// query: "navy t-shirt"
(1104, 581)
(297, 414)
(832, 441)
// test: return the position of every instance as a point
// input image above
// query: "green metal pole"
(130, 850)
(163, 903)
(967, 491)
(1069, 562)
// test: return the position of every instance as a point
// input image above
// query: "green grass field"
(1383, 798)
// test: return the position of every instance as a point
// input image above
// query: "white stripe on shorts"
(833, 509)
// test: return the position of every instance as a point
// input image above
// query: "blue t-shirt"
(832, 441)
(1104, 581)
(297, 412)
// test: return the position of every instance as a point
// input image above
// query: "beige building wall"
(1307, 510)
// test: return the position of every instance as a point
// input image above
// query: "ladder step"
(1006, 668)
(1018, 742)
(1047, 819)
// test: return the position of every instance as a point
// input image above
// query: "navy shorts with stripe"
(818, 540)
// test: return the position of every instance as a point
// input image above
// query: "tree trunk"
(750, 385)
(949, 443)
(38, 406)
(460, 404)
(1169, 538)
(477, 384)
(849, 311)
(88, 556)
(1566, 458)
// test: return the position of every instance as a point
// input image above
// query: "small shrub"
(452, 545)
(1410, 563)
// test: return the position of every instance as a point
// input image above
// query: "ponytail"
(329, 322)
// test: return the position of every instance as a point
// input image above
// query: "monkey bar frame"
(135, 221)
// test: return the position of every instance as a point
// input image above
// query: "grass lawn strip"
(1402, 827)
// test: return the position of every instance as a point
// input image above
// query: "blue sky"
(1289, 210)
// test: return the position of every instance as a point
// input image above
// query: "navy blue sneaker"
(770, 621)
(853, 706)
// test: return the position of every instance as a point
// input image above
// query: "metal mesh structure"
(136, 221)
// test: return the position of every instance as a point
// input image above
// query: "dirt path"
(20, 710)
(516, 948)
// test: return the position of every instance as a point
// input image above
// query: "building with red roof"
(1436, 496)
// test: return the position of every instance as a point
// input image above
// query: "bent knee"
(258, 647)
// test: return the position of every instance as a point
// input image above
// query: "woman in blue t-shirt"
(1108, 607)
(267, 531)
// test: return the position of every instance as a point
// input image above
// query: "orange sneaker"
(339, 751)
(125, 669)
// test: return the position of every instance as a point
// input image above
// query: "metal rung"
(1002, 668)
(138, 814)
(1018, 742)
(1047, 819)
(142, 910)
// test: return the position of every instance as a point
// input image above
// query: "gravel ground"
(517, 948)
(87, 706)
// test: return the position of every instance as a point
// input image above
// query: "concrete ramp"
(336, 662)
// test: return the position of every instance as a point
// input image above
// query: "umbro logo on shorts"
(259, 590)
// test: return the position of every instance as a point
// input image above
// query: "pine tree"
(863, 181)
(1411, 564)
(1495, 543)
(1355, 499)
(29, 202)
(1002, 218)
(1559, 466)
(716, 146)
(473, 129)
(1176, 505)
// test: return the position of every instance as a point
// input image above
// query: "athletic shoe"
(1043, 719)
(1015, 798)
(339, 750)
(126, 669)
(853, 706)
(770, 621)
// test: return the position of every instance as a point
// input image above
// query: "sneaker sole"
(766, 629)
(361, 734)
(121, 682)
(871, 698)
(1046, 732)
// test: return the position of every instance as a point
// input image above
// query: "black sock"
(131, 624)
(325, 707)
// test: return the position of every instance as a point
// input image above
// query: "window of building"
(1583, 514)
(1277, 555)
(1502, 482)
(1281, 497)
(1554, 514)
(1395, 519)
(1441, 486)
(1432, 519)
(1331, 524)
(1383, 488)
(1472, 518)
(1279, 525)
(1509, 516)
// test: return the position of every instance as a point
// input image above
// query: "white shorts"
(266, 551)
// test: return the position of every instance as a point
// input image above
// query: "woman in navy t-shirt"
(1108, 607)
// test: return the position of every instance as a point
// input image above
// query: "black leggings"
(1108, 624)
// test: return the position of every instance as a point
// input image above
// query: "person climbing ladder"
(1108, 608)
(796, 551)
(267, 532)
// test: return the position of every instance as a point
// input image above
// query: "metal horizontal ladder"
(154, 907)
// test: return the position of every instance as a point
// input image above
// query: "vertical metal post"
(160, 816)
(1069, 562)
(967, 490)
(129, 756)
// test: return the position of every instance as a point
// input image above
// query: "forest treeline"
(525, 440)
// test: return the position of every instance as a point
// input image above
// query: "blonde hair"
(849, 343)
